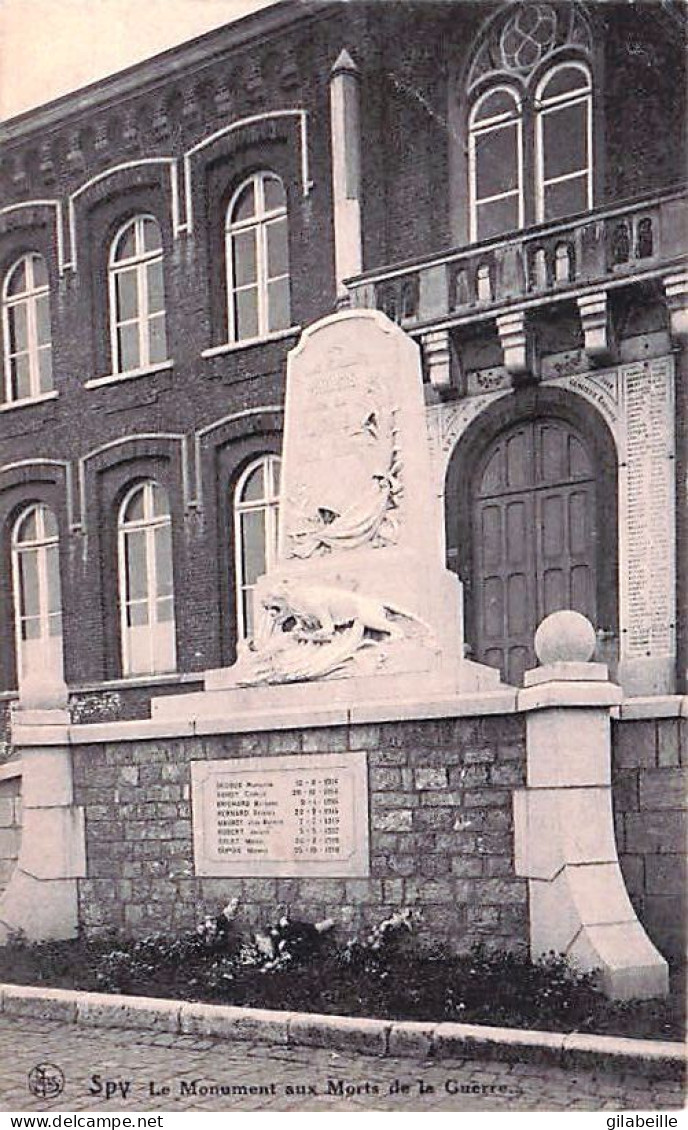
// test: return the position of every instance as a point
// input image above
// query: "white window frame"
(546, 106)
(138, 265)
(161, 634)
(489, 125)
(269, 504)
(261, 220)
(28, 298)
(47, 645)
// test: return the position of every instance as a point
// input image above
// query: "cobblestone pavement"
(137, 1067)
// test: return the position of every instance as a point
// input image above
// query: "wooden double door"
(534, 530)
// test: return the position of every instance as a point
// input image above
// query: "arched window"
(37, 593)
(256, 526)
(257, 259)
(26, 329)
(137, 296)
(145, 581)
(563, 104)
(496, 163)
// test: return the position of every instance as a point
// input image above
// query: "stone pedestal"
(564, 828)
(359, 605)
(41, 897)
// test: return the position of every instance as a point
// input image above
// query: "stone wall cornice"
(191, 57)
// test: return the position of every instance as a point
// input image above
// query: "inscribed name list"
(281, 816)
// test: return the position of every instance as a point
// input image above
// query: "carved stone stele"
(359, 594)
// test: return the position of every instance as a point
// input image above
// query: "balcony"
(580, 260)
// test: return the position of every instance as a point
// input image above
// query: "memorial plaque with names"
(281, 816)
(647, 534)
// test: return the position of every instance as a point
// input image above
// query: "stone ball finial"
(565, 637)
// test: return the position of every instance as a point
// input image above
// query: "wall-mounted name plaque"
(281, 816)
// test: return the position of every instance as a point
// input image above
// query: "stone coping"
(508, 700)
(11, 769)
(412, 1039)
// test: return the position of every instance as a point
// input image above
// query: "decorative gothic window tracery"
(530, 119)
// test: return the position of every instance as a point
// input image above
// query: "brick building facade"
(502, 180)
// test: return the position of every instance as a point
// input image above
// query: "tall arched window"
(137, 296)
(257, 259)
(37, 593)
(563, 103)
(256, 529)
(145, 581)
(496, 163)
(527, 95)
(26, 329)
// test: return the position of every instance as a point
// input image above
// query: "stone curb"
(657, 1058)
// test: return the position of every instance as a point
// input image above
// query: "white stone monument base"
(221, 699)
(41, 898)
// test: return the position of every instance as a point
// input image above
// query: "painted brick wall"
(10, 827)
(650, 800)
(441, 832)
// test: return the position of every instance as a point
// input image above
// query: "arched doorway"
(534, 536)
(531, 523)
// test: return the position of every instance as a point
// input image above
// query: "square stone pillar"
(564, 830)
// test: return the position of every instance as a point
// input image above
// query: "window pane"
(160, 507)
(564, 139)
(244, 257)
(164, 610)
(55, 625)
(152, 238)
(134, 507)
(246, 307)
(564, 81)
(278, 305)
(126, 246)
(163, 560)
(247, 606)
(40, 273)
(245, 204)
(19, 334)
(53, 571)
(156, 289)
(45, 369)
(252, 545)
(499, 102)
(498, 217)
(43, 319)
(157, 340)
(28, 583)
(254, 487)
(276, 468)
(137, 614)
(135, 555)
(566, 198)
(277, 248)
(28, 527)
(275, 197)
(127, 292)
(17, 281)
(496, 161)
(20, 377)
(49, 523)
(128, 337)
(31, 629)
